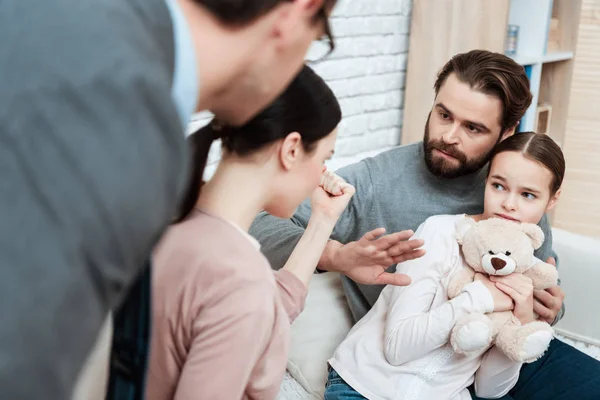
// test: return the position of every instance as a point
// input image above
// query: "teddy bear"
(500, 247)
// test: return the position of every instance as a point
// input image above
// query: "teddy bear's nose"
(498, 263)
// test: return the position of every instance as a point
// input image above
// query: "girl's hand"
(502, 301)
(331, 197)
(520, 288)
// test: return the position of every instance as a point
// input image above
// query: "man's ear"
(310, 7)
(553, 200)
(290, 150)
(508, 133)
(535, 233)
(293, 14)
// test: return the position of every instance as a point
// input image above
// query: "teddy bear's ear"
(462, 227)
(535, 233)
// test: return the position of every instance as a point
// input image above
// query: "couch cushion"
(92, 380)
(317, 332)
(579, 272)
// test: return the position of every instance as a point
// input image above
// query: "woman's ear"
(290, 150)
(553, 200)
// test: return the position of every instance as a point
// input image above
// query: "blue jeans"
(337, 389)
(563, 373)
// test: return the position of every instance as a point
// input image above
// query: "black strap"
(131, 342)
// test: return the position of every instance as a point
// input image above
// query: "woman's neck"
(237, 192)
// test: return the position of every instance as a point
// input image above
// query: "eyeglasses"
(324, 46)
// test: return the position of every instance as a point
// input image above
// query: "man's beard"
(443, 168)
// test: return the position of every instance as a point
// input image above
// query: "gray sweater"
(92, 164)
(394, 190)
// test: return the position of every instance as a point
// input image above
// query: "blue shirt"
(131, 332)
(185, 79)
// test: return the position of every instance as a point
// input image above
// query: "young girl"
(400, 349)
(221, 317)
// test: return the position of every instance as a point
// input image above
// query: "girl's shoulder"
(440, 225)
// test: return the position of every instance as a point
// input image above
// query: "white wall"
(366, 72)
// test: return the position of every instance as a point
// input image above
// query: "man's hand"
(366, 260)
(548, 303)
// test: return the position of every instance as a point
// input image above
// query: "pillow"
(318, 330)
(579, 272)
(93, 378)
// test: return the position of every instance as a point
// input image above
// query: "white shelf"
(557, 56)
(544, 59)
(527, 60)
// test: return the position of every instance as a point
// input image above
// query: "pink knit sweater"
(221, 317)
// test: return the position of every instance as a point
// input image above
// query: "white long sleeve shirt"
(401, 350)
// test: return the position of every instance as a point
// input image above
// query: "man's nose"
(451, 136)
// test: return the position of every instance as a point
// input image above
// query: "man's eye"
(473, 129)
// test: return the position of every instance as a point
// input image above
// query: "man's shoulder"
(398, 160)
(407, 153)
(82, 42)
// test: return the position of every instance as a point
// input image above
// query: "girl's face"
(301, 178)
(518, 189)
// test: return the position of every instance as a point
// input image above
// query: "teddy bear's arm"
(458, 281)
(543, 275)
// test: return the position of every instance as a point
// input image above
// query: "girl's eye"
(529, 196)
(497, 186)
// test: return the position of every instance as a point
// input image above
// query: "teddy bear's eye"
(491, 252)
(507, 253)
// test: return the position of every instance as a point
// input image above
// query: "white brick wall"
(366, 72)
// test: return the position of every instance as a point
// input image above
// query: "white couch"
(326, 318)
(579, 271)
(326, 321)
(91, 384)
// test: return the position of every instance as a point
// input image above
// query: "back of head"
(539, 148)
(307, 106)
(493, 74)
(240, 12)
(259, 46)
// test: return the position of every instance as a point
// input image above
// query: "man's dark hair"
(240, 12)
(493, 74)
